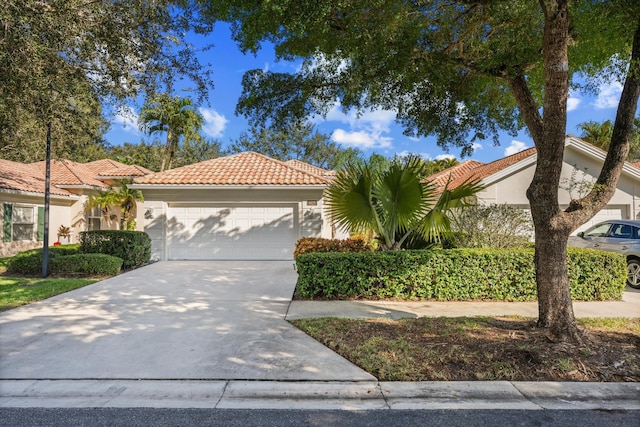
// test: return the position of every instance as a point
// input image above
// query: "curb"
(319, 395)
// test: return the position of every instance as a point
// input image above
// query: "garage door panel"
(231, 232)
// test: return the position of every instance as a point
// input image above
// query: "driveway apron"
(170, 320)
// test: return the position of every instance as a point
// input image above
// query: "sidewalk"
(627, 308)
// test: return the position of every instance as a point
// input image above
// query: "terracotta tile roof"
(310, 168)
(239, 169)
(99, 166)
(635, 164)
(441, 178)
(486, 170)
(66, 172)
(126, 171)
(25, 177)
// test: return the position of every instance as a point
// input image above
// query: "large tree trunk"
(552, 230)
(552, 225)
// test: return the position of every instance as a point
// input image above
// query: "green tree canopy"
(461, 70)
(61, 59)
(299, 141)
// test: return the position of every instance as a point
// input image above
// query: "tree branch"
(527, 105)
(607, 181)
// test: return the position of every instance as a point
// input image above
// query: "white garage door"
(231, 232)
(609, 212)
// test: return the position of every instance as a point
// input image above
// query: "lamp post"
(47, 184)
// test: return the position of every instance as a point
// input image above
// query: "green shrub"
(86, 265)
(450, 275)
(308, 245)
(30, 262)
(133, 247)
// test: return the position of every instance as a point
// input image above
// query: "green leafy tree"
(600, 134)
(197, 150)
(61, 60)
(298, 141)
(175, 116)
(77, 136)
(145, 154)
(394, 202)
(462, 70)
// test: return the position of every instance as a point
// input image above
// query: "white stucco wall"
(579, 171)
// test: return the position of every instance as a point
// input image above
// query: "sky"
(373, 131)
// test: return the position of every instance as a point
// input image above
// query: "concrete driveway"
(170, 320)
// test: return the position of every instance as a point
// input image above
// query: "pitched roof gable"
(25, 177)
(68, 173)
(112, 168)
(310, 168)
(247, 168)
(441, 178)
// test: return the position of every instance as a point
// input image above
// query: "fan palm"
(394, 202)
(175, 116)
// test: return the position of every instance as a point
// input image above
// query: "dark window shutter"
(6, 225)
(40, 233)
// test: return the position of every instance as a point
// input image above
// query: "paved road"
(246, 418)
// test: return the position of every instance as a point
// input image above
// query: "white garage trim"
(232, 231)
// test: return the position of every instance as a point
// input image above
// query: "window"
(598, 231)
(19, 223)
(23, 223)
(94, 217)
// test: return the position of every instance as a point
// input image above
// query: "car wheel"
(633, 273)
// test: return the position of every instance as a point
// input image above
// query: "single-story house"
(245, 206)
(22, 189)
(506, 180)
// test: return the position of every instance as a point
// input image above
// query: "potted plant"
(63, 232)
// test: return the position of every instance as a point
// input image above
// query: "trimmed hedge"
(133, 247)
(308, 245)
(86, 264)
(453, 275)
(30, 262)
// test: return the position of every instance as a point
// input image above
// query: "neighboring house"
(22, 199)
(242, 207)
(506, 180)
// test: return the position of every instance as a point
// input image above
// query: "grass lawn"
(481, 348)
(17, 291)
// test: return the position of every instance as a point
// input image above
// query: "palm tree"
(174, 115)
(103, 200)
(394, 202)
(598, 134)
(127, 199)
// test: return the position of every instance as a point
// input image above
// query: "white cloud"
(477, 146)
(215, 123)
(367, 129)
(515, 147)
(361, 139)
(573, 103)
(445, 156)
(127, 118)
(608, 96)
